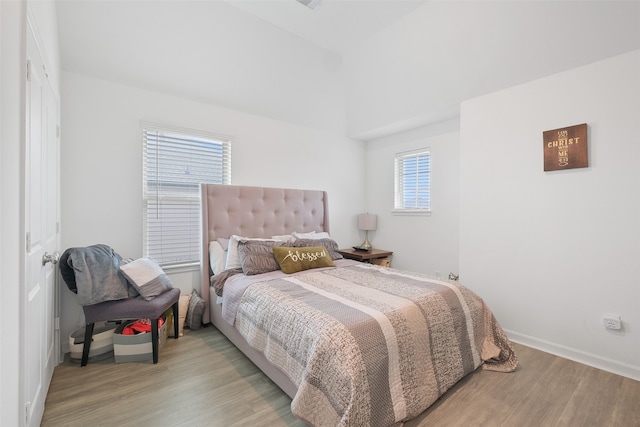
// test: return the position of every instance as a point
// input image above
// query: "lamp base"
(365, 246)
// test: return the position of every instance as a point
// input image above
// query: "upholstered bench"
(103, 282)
(131, 308)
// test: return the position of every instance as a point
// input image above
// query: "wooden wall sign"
(565, 148)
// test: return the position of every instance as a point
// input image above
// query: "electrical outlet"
(612, 321)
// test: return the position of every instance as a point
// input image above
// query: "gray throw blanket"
(97, 275)
(218, 280)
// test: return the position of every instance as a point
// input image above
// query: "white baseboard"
(606, 364)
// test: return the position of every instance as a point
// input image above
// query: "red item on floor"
(141, 326)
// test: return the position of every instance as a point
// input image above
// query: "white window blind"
(413, 181)
(174, 165)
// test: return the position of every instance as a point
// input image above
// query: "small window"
(175, 162)
(413, 182)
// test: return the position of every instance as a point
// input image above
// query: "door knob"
(52, 258)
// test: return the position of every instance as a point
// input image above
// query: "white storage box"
(101, 344)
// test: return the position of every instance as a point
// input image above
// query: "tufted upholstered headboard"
(255, 212)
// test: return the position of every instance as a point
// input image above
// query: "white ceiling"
(335, 25)
(365, 68)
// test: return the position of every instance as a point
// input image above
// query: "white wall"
(427, 244)
(208, 51)
(551, 252)
(394, 80)
(102, 166)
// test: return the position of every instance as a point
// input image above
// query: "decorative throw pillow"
(133, 292)
(256, 256)
(233, 258)
(147, 277)
(183, 307)
(195, 311)
(292, 260)
(330, 244)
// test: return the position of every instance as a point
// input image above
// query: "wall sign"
(565, 148)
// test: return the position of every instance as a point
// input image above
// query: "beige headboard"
(255, 212)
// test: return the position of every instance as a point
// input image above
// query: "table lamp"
(367, 222)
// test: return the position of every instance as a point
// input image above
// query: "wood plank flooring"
(201, 379)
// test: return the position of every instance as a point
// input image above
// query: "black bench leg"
(154, 339)
(175, 320)
(86, 346)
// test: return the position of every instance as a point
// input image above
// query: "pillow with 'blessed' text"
(292, 260)
(330, 244)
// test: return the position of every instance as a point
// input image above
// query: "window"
(413, 182)
(175, 162)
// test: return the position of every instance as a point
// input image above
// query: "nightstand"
(375, 256)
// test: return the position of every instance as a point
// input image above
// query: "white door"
(39, 354)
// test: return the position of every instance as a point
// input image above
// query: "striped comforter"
(368, 345)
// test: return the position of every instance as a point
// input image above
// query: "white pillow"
(284, 238)
(147, 277)
(223, 242)
(217, 257)
(233, 259)
(312, 235)
(308, 235)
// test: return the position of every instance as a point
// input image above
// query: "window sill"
(413, 212)
(181, 268)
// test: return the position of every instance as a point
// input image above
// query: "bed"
(352, 344)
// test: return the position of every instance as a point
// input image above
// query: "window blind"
(174, 165)
(413, 180)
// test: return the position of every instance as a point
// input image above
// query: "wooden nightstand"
(367, 256)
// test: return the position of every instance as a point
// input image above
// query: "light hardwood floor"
(203, 380)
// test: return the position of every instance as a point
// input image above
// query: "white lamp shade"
(367, 221)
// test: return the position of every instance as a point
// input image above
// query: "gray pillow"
(256, 256)
(330, 244)
(133, 292)
(196, 309)
(147, 277)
